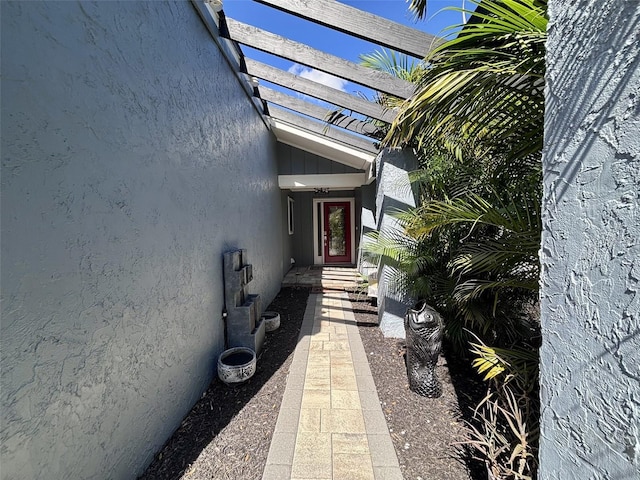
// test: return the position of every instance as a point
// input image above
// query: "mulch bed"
(228, 432)
(426, 432)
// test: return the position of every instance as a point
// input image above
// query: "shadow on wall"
(589, 253)
(602, 88)
(221, 403)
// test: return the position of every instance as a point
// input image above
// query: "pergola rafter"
(360, 24)
(317, 90)
(305, 55)
(300, 110)
(307, 108)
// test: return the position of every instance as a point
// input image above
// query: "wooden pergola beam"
(316, 111)
(317, 90)
(360, 24)
(305, 55)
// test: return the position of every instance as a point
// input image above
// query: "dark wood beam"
(317, 90)
(324, 130)
(305, 55)
(316, 111)
(360, 24)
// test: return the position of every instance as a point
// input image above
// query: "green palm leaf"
(484, 85)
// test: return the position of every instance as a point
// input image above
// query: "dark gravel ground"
(228, 432)
(425, 431)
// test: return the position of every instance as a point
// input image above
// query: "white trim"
(322, 146)
(338, 181)
(319, 260)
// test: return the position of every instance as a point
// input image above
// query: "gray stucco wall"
(367, 218)
(590, 292)
(393, 193)
(131, 160)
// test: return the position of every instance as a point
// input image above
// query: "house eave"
(340, 181)
(322, 146)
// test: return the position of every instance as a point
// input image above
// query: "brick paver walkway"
(339, 278)
(330, 424)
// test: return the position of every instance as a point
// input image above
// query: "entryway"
(334, 231)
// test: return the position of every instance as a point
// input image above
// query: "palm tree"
(476, 120)
(471, 246)
(485, 87)
(393, 63)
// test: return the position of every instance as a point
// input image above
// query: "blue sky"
(333, 42)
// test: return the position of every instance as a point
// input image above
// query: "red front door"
(337, 232)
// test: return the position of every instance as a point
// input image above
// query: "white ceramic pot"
(236, 365)
(271, 321)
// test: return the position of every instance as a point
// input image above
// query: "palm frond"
(471, 209)
(517, 364)
(513, 256)
(486, 84)
(397, 64)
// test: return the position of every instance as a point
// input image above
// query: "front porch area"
(321, 278)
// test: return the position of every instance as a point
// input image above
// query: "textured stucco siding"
(393, 194)
(367, 218)
(131, 160)
(590, 291)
